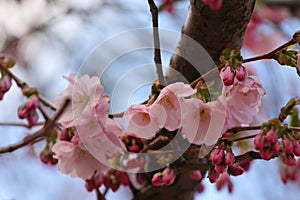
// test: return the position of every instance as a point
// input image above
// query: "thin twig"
(269, 55)
(100, 196)
(243, 128)
(38, 134)
(116, 115)
(20, 124)
(21, 84)
(244, 138)
(157, 53)
(43, 113)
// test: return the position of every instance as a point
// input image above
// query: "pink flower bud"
(235, 170)
(122, 177)
(271, 135)
(111, 181)
(94, 182)
(168, 176)
(287, 145)
(265, 153)
(213, 175)
(283, 175)
(296, 148)
(229, 157)
(196, 175)
(46, 157)
(66, 134)
(157, 179)
(32, 103)
(5, 84)
(226, 135)
(240, 73)
(275, 147)
(288, 159)
(221, 168)
(259, 141)
(223, 180)
(22, 112)
(227, 76)
(217, 155)
(32, 118)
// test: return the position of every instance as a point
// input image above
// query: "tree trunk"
(214, 30)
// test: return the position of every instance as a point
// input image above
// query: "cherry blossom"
(202, 122)
(87, 98)
(5, 85)
(242, 101)
(170, 99)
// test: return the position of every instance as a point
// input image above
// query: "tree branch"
(38, 134)
(157, 53)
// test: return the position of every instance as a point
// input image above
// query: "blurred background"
(52, 38)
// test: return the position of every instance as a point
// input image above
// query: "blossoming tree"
(188, 129)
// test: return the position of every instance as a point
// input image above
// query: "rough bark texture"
(214, 30)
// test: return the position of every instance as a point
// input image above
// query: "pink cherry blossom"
(5, 85)
(170, 99)
(242, 101)
(168, 176)
(202, 122)
(74, 159)
(145, 121)
(85, 93)
(240, 73)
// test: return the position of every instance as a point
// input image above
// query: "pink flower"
(229, 158)
(223, 180)
(202, 122)
(74, 159)
(85, 93)
(144, 121)
(227, 75)
(213, 4)
(94, 182)
(242, 101)
(217, 156)
(170, 99)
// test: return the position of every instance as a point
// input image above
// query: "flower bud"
(296, 148)
(259, 141)
(5, 84)
(265, 153)
(94, 182)
(227, 75)
(288, 159)
(271, 135)
(217, 155)
(122, 177)
(201, 188)
(229, 157)
(168, 176)
(240, 73)
(287, 145)
(140, 178)
(32, 118)
(275, 147)
(157, 179)
(32, 102)
(213, 175)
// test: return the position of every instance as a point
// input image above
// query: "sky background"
(63, 46)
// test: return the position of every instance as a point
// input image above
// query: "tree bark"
(214, 30)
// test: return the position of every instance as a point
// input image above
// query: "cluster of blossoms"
(28, 110)
(86, 124)
(5, 85)
(270, 142)
(213, 4)
(223, 166)
(175, 108)
(132, 143)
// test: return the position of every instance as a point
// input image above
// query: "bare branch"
(20, 124)
(157, 53)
